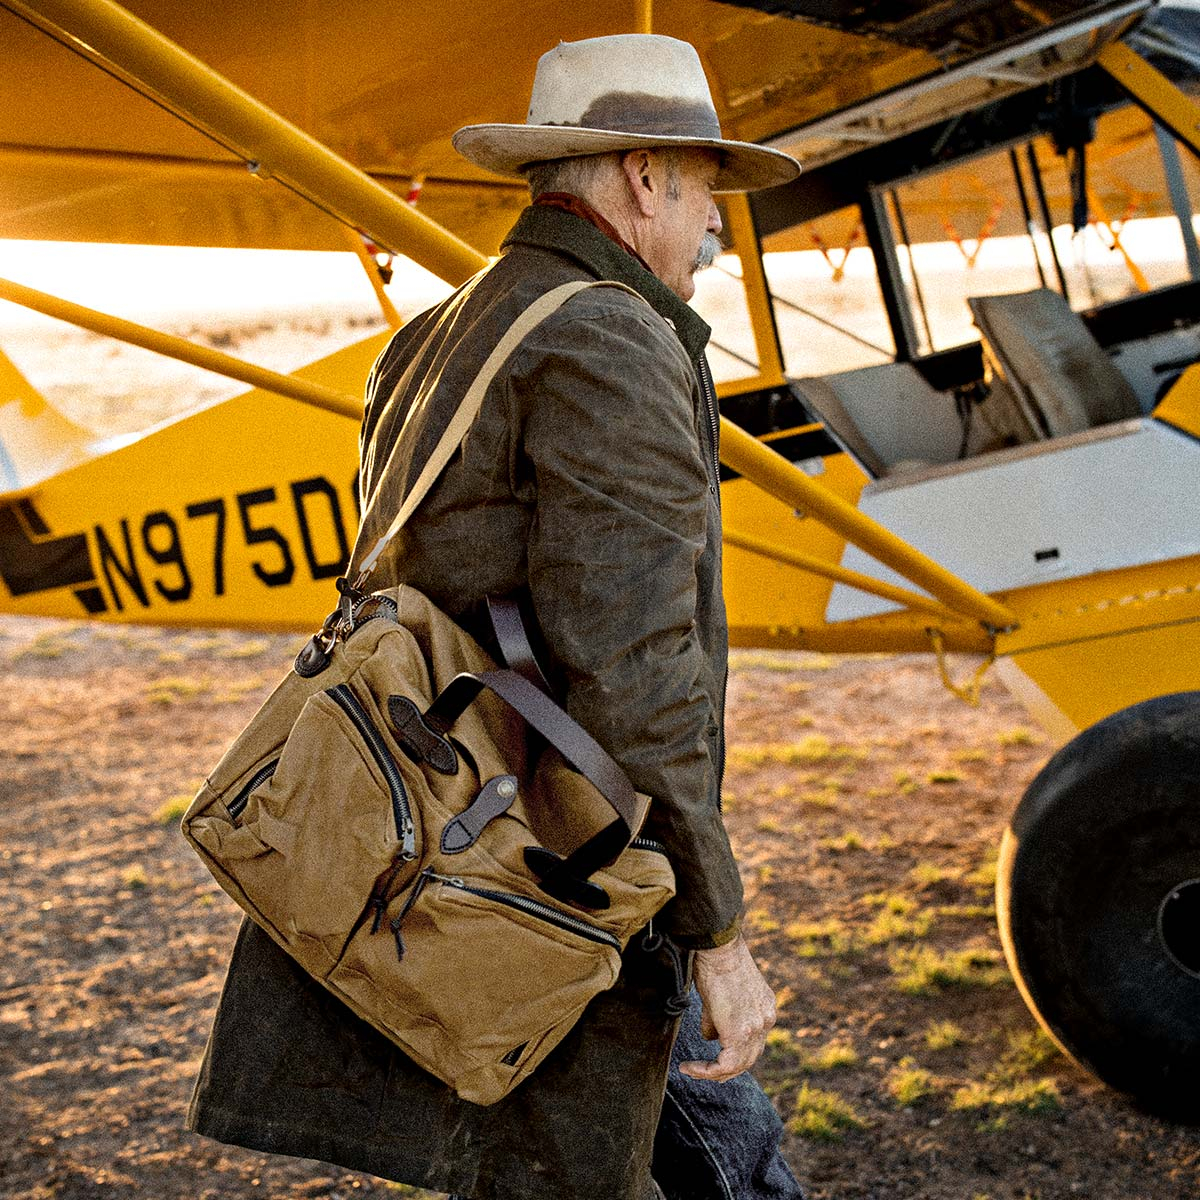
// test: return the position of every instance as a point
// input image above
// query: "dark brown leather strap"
(513, 640)
(571, 740)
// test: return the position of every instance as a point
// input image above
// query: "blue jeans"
(717, 1141)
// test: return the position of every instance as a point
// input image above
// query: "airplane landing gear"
(1098, 901)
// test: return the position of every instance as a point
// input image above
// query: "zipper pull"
(379, 896)
(418, 887)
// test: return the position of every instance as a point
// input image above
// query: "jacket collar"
(563, 232)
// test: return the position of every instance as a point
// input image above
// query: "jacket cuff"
(709, 941)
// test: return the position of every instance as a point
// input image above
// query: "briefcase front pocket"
(336, 823)
(481, 983)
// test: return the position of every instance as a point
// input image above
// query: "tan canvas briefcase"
(383, 819)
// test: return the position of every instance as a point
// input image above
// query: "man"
(589, 485)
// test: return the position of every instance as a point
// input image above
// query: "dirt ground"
(865, 804)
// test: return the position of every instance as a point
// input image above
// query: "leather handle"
(570, 739)
(513, 639)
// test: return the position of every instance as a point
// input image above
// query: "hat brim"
(505, 149)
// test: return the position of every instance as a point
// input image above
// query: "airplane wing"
(86, 155)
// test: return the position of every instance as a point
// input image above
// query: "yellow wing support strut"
(1154, 91)
(356, 243)
(758, 295)
(268, 143)
(828, 570)
(175, 347)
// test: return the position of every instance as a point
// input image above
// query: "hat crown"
(619, 93)
(636, 83)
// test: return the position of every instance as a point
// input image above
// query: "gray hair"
(574, 175)
(577, 175)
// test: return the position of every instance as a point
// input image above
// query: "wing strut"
(176, 347)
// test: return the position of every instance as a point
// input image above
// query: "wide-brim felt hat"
(619, 93)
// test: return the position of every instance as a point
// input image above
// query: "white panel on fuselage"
(1117, 496)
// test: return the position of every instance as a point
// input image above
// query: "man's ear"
(641, 178)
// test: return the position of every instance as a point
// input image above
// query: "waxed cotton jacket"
(588, 482)
(590, 478)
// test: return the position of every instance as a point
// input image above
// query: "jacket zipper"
(714, 426)
(345, 699)
(239, 802)
(643, 843)
(534, 908)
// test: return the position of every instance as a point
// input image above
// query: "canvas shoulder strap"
(542, 308)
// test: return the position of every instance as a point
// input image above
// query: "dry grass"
(758, 920)
(823, 1116)
(52, 644)
(173, 690)
(983, 878)
(250, 649)
(889, 927)
(171, 811)
(942, 1035)
(135, 877)
(829, 1057)
(1035, 1096)
(944, 777)
(923, 971)
(1019, 736)
(820, 939)
(928, 874)
(850, 840)
(909, 1084)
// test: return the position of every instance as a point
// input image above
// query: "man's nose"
(714, 217)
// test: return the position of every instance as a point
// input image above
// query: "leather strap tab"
(495, 798)
(418, 739)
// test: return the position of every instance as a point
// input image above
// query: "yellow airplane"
(1030, 493)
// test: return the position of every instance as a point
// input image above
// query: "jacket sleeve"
(610, 434)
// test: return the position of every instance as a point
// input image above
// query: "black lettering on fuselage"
(127, 570)
(319, 568)
(213, 508)
(170, 555)
(177, 575)
(257, 535)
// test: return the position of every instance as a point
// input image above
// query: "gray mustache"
(706, 255)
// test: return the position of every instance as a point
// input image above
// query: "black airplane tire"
(1098, 901)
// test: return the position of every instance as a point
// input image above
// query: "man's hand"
(738, 1010)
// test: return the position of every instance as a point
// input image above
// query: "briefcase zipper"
(533, 908)
(346, 700)
(239, 802)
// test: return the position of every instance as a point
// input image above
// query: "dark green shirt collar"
(554, 229)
